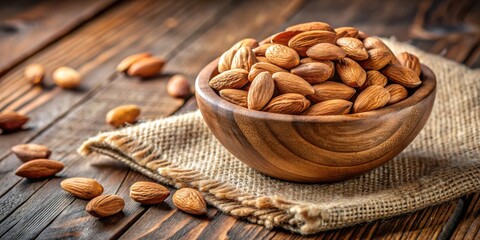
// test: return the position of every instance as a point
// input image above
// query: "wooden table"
(94, 35)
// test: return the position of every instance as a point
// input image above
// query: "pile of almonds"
(37, 166)
(313, 69)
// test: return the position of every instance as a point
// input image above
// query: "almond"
(282, 56)
(402, 75)
(261, 91)
(146, 67)
(105, 205)
(86, 188)
(225, 61)
(121, 115)
(350, 72)
(31, 151)
(235, 78)
(353, 47)
(235, 96)
(331, 90)
(247, 42)
(262, 59)
(289, 103)
(410, 61)
(263, 67)
(179, 87)
(371, 98)
(66, 77)
(326, 51)
(362, 35)
(128, 61)
(374, 78)
(310, 60)
(303, 41)
(346, 32)
(313, 73)
(260, 50)
(329, 107)
(309, 26)
(34, 73)
(329, 63)
(265, 41)
(373, 42)
(287, 82)
(12, 121)
(39, 168)
(190, 200)
(284, 37)
(244, 58)
(397, 93)
(377, 59)
(148, 192)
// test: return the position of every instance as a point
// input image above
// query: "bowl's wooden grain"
(315, 148)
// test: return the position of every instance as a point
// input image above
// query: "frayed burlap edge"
(273, 211)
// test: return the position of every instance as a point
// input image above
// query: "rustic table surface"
(92, 36)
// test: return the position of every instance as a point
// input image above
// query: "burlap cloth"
(442, 163)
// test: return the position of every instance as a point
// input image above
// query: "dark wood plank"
(469, 224)
(28, 25)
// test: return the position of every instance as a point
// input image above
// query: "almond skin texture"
(105, 205)
(377, 59)
(261, 91)
(289, 103)
(350, 72)
(346, 32)
(246, 42)
(235, 96)
(81, 187)
(309, 26)
(282, 56)
(326, 51)
(373, 42)
(128, 61)
(12, 121)
(331, 90)
(290, 83)
(190, 200)
(329, 107)
(225, 61)
(402, 75)
(66, 77)
(263, 67)
(397, 93)
(371, 98)
(260, 50)
(179, 87)
(231, 79)
(353, 47)
(34, 73)
(146, 67)
(303, 41)
(148, 193)
(284, 37)
(31, 151)
(410, 61)
(374, 78)
(121, 115)
(39, 168)
(313, 73)
(244, 58)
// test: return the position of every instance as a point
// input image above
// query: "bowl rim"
(204, 91)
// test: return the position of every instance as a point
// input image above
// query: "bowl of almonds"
(315, 103)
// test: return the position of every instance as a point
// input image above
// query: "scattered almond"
(235, 78)
(146, 67)
(39, 168)
(291, 83)
(179, 87)
(86, 188)
(34, 73)
(12, 121)
(126, 114)
(125, 64)
(282, 56)
(105, 205)
(371, 98)
(66, 77)
(397, 93)
(331, 90)
(329, 107)
(148, 192)
(235, 96)
(31, 151)
(289, 103)
(190, 200)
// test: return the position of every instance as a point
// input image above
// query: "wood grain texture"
(289, 147)
(28, 26)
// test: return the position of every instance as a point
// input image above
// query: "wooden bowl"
(314, 148)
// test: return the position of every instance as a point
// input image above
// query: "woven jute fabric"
(441, 164)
